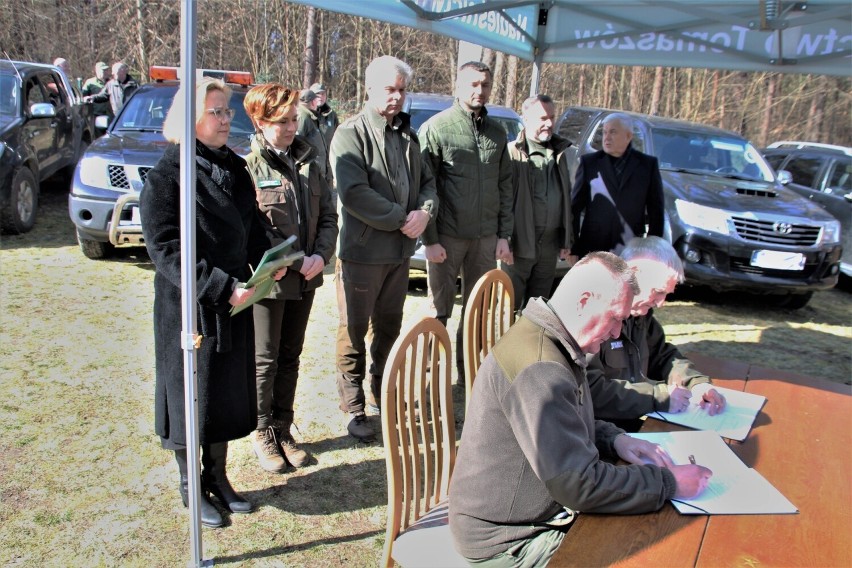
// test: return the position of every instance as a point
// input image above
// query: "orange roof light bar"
(163, 73)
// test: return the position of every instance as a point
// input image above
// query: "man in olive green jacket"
(542, 204)
(387, 197)
(468, 155)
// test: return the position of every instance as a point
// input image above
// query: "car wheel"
(794, 301)
(95, 250)
(18, 212)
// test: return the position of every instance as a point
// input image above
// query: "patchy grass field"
(83, 481)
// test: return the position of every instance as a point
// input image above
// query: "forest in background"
(297, 46)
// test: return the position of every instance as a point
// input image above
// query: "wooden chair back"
(418, 426)
(489, 313)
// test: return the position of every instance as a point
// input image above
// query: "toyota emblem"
(782, 228)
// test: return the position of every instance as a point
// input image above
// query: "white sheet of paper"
(741, 408)
(734, 489)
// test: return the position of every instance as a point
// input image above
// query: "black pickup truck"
(44, 130)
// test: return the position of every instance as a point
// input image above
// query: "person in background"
(95, 85)
(387, 199)
(230, 236)
(617, 190)
(65, 67)
(117, 90)
(639, 371)
(328, 121)
(297, 201)
(473, 173)
(530, 456)
(542, 205)
(309, 129)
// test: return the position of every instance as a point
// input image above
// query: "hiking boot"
(359, 428)
(266, 448)
(296, 456)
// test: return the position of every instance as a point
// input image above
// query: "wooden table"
(801, 442)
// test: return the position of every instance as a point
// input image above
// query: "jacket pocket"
(614, 354)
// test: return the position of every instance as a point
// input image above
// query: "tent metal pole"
(187, 278)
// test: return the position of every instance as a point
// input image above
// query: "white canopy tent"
(747, 35)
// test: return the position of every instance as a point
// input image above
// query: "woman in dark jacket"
(230, 234)
(295, 197)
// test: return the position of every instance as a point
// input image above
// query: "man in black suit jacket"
(616, 189)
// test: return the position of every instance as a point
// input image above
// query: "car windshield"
(146, 110)
(696, 151)
(8, 98)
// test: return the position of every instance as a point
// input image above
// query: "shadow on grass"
(279, 550)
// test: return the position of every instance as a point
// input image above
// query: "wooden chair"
(419, 435)
(489, 313)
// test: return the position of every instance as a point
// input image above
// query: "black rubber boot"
(214, 480)
(210, 516)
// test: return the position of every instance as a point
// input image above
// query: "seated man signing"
(639, 371)
(530, 454)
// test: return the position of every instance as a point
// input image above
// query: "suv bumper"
(725, 264)
(95, 218)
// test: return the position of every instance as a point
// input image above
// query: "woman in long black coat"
(230, 234)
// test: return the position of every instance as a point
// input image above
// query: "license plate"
(135, 216)
(778, 260)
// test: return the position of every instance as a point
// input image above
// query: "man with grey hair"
(639, 371)
(530, 454)
(616, 191)
(387, 199)
(118, 89)
(542, 204)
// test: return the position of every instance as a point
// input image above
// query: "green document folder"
(273, 260)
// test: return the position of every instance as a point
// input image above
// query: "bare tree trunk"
(511, 81)
(769, 102)
(141, 26)
(606, 95)
(310, 69)
(814, 126)
(359, 65)
(656, 91)
(635, 97)
(581, 86)
(499, 79)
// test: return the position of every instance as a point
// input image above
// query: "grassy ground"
(83, 481)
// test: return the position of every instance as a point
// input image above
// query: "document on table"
(734, 422)
(734, 489)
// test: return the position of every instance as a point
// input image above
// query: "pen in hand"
(692, 459)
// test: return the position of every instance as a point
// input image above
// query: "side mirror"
(784, 177)
(42, 110)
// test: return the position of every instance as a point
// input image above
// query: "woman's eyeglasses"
(222, 114)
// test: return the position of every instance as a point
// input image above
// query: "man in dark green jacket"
(467, 151)
(542, 204)
(387, 198)
(639, 371)
(530, 454)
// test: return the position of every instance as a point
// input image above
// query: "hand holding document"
(734, 422)
(733, 489)
(263, 278)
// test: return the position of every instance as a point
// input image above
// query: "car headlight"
(94, 172)
(703, 217)
(831, 232)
